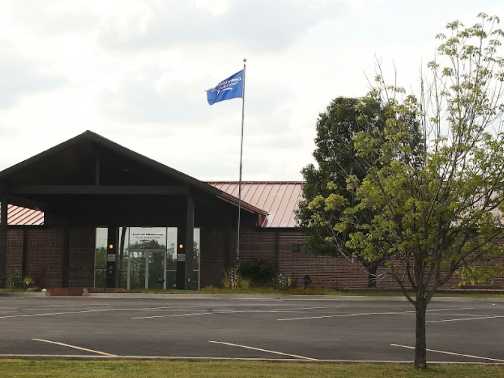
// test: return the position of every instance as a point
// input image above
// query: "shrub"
(15, 280)
(244, 283)
(258, 272)
(479, 275)
(282, 281)
(28, 282)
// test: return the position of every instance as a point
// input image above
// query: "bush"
(244, 283)
(479, 276)
(259, 272)
(28, 282)
(15, 280)
(282, 281)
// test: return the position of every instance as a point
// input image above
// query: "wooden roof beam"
(99, 190)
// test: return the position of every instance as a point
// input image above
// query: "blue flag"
(227, 89)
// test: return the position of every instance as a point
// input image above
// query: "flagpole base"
(234, 276)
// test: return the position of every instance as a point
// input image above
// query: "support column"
(180, 274)
(66, 256)
(120, 253)
(3, 241)
(25, 254)
(189, 243)
(277, 252)
(112, 236)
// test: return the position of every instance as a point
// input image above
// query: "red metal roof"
(279, 198)
(20, 216)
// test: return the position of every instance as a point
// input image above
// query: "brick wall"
(14, 253)
(324, 271)
(45, 255)
(81, 259)
(45, 247)
(258, 245)
(283, 249)
(499, 280)
(217, 245)
(386, 281)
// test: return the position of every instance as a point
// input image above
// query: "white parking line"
(343, 315)
(76, 347)
(465, 319)
(174, 315)
(220, 312)
(263, 350)
(85, 311)
(269, 311)
(171, 308)
(50, 314)
(455, 314)
(77, 304)
(371, 313)
(450, 353)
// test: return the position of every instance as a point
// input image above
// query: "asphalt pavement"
(293, 328)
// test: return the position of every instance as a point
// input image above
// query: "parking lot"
(294, 328)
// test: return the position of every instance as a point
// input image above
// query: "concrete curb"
(22, 294)
(245, 296)
(213, 359)
(286, 297)
(239, 296)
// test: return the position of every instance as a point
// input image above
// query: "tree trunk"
(421, 341)
(372, 268)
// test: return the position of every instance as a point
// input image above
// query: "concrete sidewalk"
(27, 294)
(244, 297)
(290, 297)
(444, 296)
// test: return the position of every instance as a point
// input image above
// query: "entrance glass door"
(147, 257)
(171, 258)
(100, 257)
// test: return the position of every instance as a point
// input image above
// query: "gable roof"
(279, 198)
(89, 136)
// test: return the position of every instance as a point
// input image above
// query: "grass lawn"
(128, 369)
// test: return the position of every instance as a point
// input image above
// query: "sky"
(136, 72)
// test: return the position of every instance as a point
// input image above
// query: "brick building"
(91, 213)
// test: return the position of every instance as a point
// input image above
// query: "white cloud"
(19, 76)
(256, 24)
(135, 71)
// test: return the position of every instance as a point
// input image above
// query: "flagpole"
(241, 170)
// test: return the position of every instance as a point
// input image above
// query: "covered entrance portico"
(135, 222)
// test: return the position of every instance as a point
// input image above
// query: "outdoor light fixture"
(111, 246)
(181, 246)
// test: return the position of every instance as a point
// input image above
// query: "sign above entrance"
(147, 238)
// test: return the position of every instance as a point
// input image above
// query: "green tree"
(440, 214)
(328, 185)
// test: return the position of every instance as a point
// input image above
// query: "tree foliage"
(439, 214)
(328, 187)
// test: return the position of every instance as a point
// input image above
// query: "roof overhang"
(186, 182)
